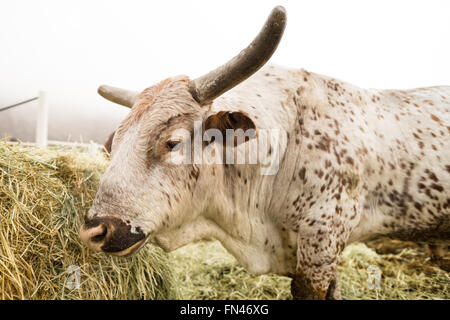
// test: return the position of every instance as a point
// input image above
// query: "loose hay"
(206, 271)
(44, 195)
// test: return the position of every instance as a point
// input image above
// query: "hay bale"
(44, 195)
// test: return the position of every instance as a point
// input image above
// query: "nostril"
(100, 234)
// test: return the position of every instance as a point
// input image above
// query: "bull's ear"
(224, 121)
(108, 143)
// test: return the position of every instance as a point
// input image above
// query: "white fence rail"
(41, 138)
(90, 147)
(42, 120)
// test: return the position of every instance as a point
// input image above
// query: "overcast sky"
(69, 48)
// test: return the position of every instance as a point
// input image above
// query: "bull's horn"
(205, 88)
(121, 96)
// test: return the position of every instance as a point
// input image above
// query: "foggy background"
(69, 48)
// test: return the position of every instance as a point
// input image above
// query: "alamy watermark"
(213, 146)
(373, 277)
(73, 280)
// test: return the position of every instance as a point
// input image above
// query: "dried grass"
(205, 270)
(44, 195)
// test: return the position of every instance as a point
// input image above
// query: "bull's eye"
(171, 145)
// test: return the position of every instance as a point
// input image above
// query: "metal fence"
(18, 104)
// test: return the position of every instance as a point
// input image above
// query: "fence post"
(42, 120)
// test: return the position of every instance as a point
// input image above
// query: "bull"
(354, 164)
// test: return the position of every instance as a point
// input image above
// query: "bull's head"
(143, 194)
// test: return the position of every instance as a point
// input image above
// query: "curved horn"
(121, 96)
(205, 88)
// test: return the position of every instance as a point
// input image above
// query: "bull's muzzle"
(111, 235)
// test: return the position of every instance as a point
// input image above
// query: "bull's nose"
(111, 235)
(93, 236)
(94, 233)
